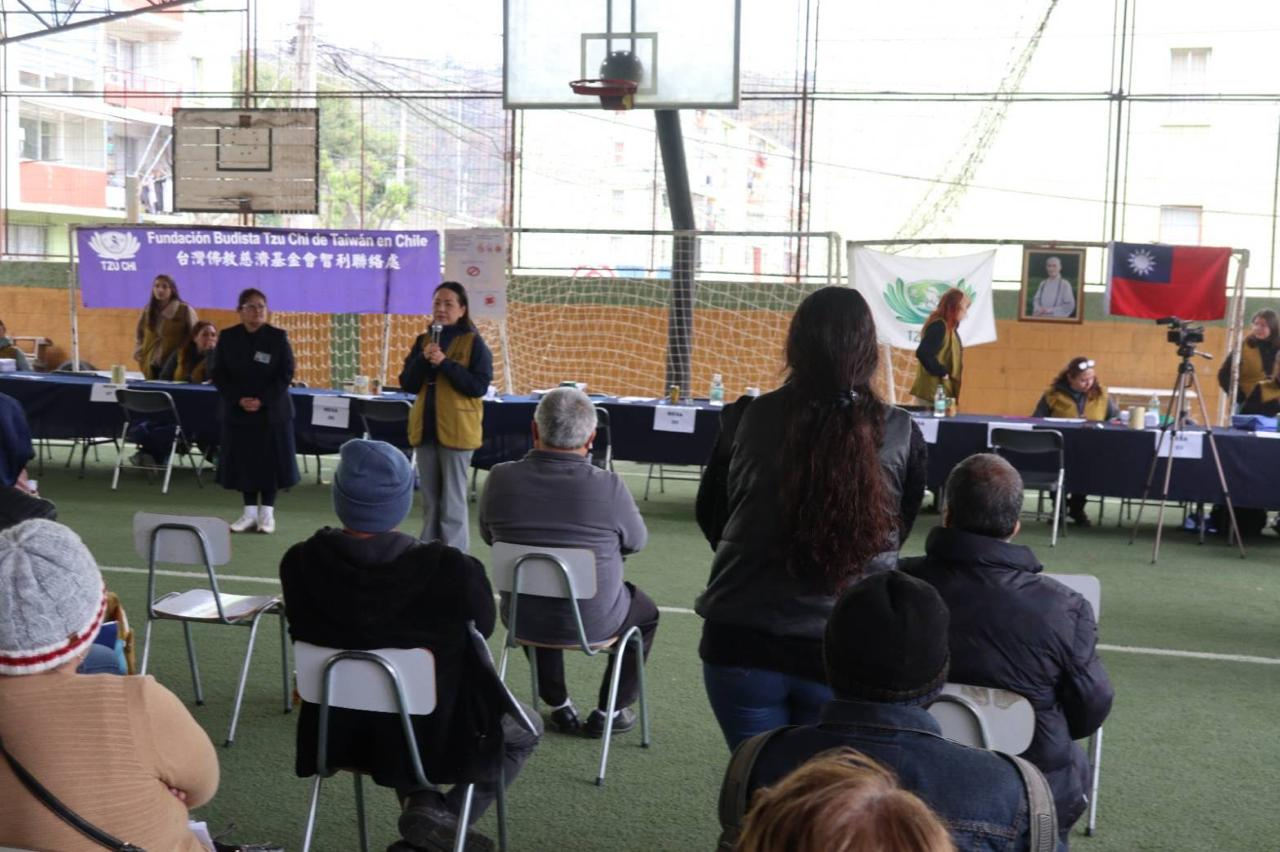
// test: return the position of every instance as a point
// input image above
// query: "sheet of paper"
(1012, 424)
(103, 392)
(629, 399)
(674, 418)
(928, 428)
(1190, 445)
(332, 411)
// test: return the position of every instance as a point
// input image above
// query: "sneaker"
(426, 823)
(246, 522)
(565, 720)
(623, 721)
(267, 525)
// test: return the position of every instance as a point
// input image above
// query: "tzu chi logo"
(116, 250)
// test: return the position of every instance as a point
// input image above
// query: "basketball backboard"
(687, 51)
(246, 160)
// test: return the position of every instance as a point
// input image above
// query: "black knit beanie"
(887, 640)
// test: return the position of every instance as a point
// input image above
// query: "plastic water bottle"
(716, 397)
(1153, 412)
(940, 402)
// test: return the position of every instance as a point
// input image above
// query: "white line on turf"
(680, 610)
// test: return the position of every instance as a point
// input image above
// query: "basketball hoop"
(614, 93)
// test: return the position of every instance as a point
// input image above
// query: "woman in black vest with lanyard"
(252, 369)
(822, 484)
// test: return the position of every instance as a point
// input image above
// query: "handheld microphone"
(436, 329)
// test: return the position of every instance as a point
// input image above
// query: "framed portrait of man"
(1052, 284)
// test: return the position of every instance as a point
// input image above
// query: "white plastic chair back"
(542, 577)
(359, 685)
(1087, 585)
(180, 547)
(984, 717)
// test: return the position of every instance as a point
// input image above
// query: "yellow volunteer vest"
(159, 343)
(458, 417)
(1062, 405)
(1251, 372)
(950, 356)
(195, 376)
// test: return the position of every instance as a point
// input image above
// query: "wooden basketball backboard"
(246, 160)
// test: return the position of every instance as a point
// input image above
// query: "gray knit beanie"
(52, 598)
(372, 487)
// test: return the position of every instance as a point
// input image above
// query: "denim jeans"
(751, 701)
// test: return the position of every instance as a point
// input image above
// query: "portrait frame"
(1034, 273)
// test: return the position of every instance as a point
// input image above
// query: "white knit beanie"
(52, 598)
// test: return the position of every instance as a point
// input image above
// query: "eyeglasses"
(1084, 365)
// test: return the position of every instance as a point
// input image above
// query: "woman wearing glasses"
(1076, 392)
(252, 369)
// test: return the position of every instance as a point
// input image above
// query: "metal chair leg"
(168, 464)
(244, 677)
(361, 820)
(311, 815)
(645, 738)
(532, 654)
(191, 660)
(1095, 776)
(146, 645)
(284, 662)
(464, 820)
(648, 477)
(620, 657)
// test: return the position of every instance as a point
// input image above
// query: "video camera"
(1182, 333)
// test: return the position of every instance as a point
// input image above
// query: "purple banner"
(321, 271)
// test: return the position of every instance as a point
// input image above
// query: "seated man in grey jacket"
(555, 497)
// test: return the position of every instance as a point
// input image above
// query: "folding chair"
(1090, 588)
(681, 474)
(386, 680)
(146, 404)
(569, 574)
(386, 412)
(185, 540)
(1036, 442)
(602, 446)
(985, 717)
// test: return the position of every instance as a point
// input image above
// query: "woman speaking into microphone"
(448, 369)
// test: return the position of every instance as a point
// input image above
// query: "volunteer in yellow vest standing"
(165, 325)
(1076, 392)
(1258, 391)
(449, 376)
(941, 353)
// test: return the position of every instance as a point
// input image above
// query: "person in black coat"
(253, 367)
(369, 586)
(1013, 628)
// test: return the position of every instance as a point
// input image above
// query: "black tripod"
(1175, 423)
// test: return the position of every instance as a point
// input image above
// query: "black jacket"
(257, 364)
(392, 591)
(1015, 629)
(757, 613)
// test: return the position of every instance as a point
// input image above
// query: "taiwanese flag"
(1153, 281)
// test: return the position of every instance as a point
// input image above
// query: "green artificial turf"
(1190, 751)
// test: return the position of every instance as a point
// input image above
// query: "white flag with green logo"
(903, 291)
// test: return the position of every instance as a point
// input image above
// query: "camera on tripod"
(1182, 333)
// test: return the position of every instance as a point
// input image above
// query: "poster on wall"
(1052, 284)
(903, 291)
(477, 259)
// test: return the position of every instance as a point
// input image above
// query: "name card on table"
(1190, 445)
(103, 392)
(674, 418)
(1013, 424)
(928, 428)
(331, 411)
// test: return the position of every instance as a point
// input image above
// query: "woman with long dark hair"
(252, 369)
(448, 369)
(941, 352)
(193, 363)
(823, 483)
(164, 325)
(1258, 391)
